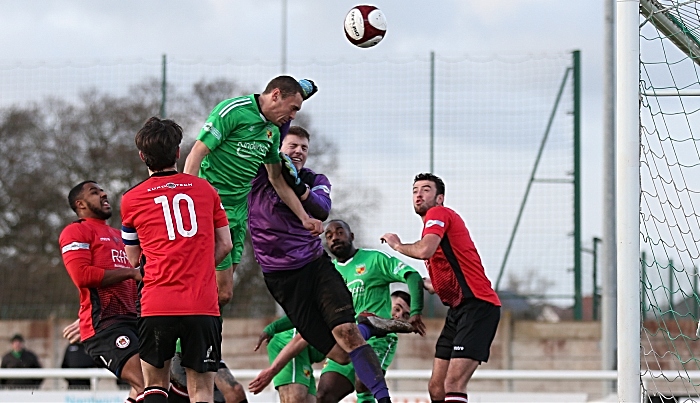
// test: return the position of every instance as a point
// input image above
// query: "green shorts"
(237, 215)
(385, 348)
(298, 370)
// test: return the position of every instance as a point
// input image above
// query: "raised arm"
(195, 157)
(274, 174)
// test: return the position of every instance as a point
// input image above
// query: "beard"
(342, 251)
(422, 209)
(99, 213)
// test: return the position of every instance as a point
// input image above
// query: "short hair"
(17, 337)
(439, 184)
(75, 193)
(299, 131)
(342, 223)
(403, 295)
(159, 140)
(287, 85)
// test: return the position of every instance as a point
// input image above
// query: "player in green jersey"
(295, 382)
(294, 376)
(368, 274)
(239, 136)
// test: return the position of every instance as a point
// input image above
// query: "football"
(365, 26)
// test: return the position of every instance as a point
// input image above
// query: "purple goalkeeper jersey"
(280, 241)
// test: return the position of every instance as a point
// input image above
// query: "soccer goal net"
(670, 199)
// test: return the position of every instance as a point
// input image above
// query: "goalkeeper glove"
(291, 176)
(309, 88)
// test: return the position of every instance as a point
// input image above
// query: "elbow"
(225, 297)
(424, 254)
(88, 282)
(227, 246)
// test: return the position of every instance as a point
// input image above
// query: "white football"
(365, 26)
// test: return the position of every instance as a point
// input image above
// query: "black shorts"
(112, 347)
(469, 330)
(200, 339)
(315, 298)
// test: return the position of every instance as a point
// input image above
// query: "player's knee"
(131, 373)
(455, 382)
(348, 335)
(237, 393)
(293, 393)
(324, 395)
(339, 355)
(436, 387)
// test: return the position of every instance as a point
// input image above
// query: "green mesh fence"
(670, 198)
(371, 133)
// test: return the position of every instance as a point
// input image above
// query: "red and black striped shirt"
(455, 268)
(89, 247)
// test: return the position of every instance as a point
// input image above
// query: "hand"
(392, 240)
(289, 171)
(309, 88)
(264, 338)
(72, 332)
(137, 274)
(261, 381)
(417, 322)
(313, 225)
(428, 285)
(291, 176)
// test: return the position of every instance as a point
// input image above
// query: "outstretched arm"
(423, 249)
(280, 325)
(291, 350)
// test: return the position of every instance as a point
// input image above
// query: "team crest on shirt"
(170, 185)
(123, 342)
(269, 133)
(360, 269)
(307, 373)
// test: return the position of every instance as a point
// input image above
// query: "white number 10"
(163, 200)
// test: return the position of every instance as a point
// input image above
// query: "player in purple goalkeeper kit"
(298, 272)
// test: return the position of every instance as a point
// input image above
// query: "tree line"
(50, 145)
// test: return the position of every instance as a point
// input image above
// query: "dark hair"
(299, 131)
(159, 140)
(287, 85)
(439, 184)
(17, 337)
(403, 295)
(342, 223)
(75, 193)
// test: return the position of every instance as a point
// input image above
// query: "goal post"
(660, 50)
(627, 197)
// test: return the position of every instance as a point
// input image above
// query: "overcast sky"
(210, 30)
